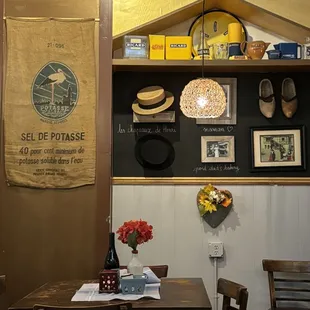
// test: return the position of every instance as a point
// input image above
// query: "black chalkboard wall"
(185, 135)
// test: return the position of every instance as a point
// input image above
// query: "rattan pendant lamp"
(203, 98)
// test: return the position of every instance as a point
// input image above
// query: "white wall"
(266, 222)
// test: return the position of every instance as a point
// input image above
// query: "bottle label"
(307, 52)
(205, 51)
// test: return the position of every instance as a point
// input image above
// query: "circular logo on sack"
(55, 92)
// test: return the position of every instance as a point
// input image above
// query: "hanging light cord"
(203, 37)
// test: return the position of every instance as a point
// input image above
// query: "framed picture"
(218, 149)
(229, 117)
(279, 148)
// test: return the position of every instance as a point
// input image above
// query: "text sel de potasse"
(53, 136)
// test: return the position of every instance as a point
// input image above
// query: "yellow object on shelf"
(243, 57)
(199, 57)
(157, 47)
(206, 57)
(178, 47)
(221, 38)
(235, 33)
(215, 29)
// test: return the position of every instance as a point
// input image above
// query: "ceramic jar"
(254, 50)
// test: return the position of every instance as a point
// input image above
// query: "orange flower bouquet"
(134, 233)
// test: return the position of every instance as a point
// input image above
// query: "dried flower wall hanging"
(214, 205)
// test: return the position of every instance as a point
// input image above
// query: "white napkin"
(151, 277)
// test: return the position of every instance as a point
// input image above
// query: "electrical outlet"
(216, 249)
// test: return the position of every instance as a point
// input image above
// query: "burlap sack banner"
(50, 103)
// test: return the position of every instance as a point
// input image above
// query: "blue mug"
(274, 54)
(234, 49)
(289, 50)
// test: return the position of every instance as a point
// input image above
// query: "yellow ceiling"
(143, 17)
(294, 10)
(128, 14)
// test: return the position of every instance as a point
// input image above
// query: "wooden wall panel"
(54, 8)
(59, 234)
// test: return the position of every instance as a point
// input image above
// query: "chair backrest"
(288, 290)
(161, 271)
(123, 306)
(231, 290)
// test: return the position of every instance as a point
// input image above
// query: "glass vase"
(135, 267)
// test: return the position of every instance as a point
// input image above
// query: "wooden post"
(104, 121)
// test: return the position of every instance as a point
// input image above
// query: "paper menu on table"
(90, 292)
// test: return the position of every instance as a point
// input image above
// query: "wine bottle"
(111, 260)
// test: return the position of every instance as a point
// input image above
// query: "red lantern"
(109, 281)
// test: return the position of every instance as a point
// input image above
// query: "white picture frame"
(217, 149)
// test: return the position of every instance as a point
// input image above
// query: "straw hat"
(152, 100)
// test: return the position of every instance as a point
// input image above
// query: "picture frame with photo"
(217, 149)
(278, 148)
(229, 117)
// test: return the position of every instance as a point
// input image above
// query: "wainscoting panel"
(266, 222)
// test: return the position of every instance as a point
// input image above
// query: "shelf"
(213, 180)
(212, 65)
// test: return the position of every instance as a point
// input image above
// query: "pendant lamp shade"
(203, 98)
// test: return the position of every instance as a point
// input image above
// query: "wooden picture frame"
(229, 117)
(278, 148)
(217, 149)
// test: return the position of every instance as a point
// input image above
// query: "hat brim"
(145, 162)
(167, 104)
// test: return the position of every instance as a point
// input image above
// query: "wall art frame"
(217, 149)
(278, 148)
(229, 117)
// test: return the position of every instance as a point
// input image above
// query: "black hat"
(154, 152)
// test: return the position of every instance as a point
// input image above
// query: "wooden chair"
(123, 306)
(161, 271)
(288, 292)
(231, 290)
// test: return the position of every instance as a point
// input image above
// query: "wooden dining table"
(176, 293)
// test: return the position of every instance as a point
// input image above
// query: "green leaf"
(201, 209)
(132, 240)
